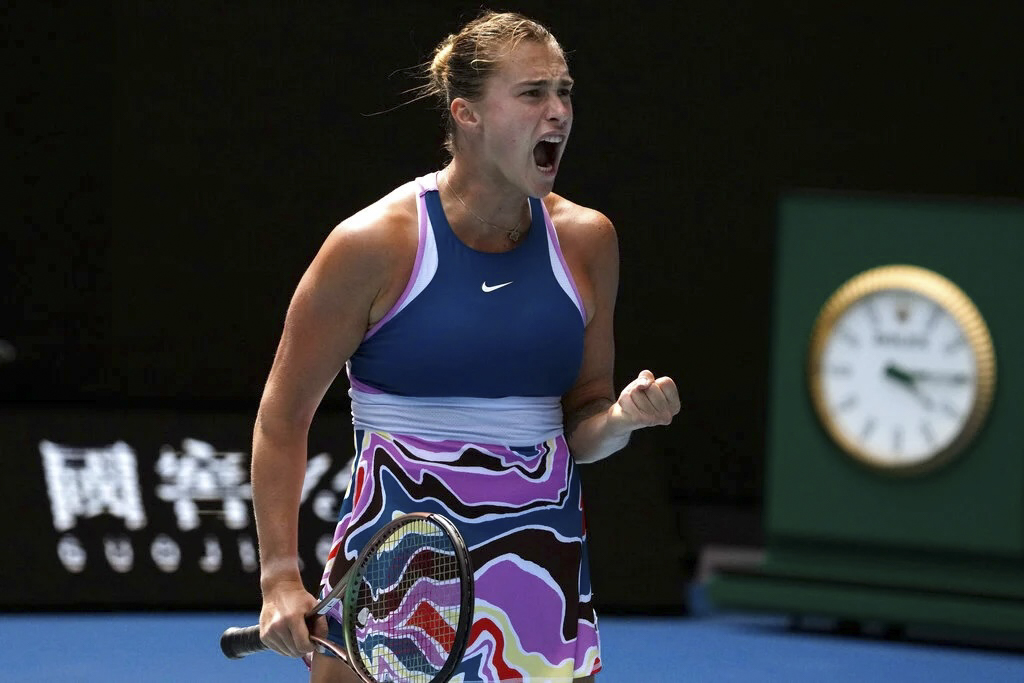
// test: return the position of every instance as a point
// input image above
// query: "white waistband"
(510, 421)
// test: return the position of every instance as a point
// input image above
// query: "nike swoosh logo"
(488, 288)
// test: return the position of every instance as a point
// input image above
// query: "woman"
(473, 311)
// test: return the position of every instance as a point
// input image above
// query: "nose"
(559, 108)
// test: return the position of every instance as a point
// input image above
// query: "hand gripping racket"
(406, 605)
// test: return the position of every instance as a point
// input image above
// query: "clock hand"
(908, 382)
(901, 376)
(944, 377)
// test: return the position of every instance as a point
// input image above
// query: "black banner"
(131, 509)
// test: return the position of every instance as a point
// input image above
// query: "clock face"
(901, 368)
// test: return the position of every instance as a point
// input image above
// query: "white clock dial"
(902, 368)
(898, 376)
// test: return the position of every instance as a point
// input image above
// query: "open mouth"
(545, 153)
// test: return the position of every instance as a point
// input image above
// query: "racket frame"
(349, 653)
(467, 597)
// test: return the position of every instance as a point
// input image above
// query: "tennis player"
(472, 309)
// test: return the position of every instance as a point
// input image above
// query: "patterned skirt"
(520, 512)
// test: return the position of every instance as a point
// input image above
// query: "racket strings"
(408, 604)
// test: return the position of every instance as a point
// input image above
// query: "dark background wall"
(175, 166)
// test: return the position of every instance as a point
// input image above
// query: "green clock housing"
(894, 486)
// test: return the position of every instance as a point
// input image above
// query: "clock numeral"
(849, 337)
(934, 318)
(955, 345)
(840, 370)
(897, 439)
(949, 409)
(926, 432)
(902, 309)
(868, 428)
(869, 307)
(846, 404)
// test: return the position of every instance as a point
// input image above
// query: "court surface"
(712, 647)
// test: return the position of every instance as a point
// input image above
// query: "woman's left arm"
(597, 423)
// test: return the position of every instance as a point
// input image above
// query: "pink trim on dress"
(421, 211)
(553, 237)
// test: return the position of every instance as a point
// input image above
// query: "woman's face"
(526, 115)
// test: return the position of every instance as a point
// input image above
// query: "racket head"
(408, 603)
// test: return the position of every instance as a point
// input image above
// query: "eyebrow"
(543, 81)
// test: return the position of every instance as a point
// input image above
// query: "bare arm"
(599, 423)
(327, 318)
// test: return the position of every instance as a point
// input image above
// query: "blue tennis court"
(711, 647)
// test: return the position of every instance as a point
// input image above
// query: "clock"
(901, 369)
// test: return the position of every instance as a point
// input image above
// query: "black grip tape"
(239, 642)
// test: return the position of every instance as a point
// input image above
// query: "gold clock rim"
(943, 292)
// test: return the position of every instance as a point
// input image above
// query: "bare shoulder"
(568, 214)
(368, 258)
(582, 230)
(369, 245)
(385, 225)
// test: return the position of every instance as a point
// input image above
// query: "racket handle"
(239, 642)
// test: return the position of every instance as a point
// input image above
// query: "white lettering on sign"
(86, 482)
(119, 552)
(166, 553)
(212, 555)
(71, 553)
(204, 487)
(200, 474)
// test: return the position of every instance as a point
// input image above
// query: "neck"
(485, 208)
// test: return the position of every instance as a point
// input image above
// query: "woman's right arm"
(335, 301)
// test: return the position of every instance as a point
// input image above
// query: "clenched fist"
(646, 401)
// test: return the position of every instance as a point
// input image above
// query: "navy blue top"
(487, 325)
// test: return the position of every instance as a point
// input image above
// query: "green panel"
(895, 569)
(974, 504)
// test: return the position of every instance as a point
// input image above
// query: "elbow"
(275, 424)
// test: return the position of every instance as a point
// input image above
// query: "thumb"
(646, 378)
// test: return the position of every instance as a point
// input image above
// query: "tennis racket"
(406, 604)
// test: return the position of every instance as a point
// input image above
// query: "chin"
(543, 184)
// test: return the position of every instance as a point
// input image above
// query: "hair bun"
(439, 65)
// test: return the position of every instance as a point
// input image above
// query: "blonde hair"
(463, 61)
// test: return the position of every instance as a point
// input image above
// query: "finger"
(654, 401)
(640, 401)
(671, 393)
(300, 638)
(648, 401)
(278, 642)
(284, 636)
(659, 412)
(658, 403)
(641, 382)
(637, 406)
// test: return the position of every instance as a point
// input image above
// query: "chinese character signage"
(142, 509)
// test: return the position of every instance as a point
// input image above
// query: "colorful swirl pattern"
(406, 601)
(520, 512)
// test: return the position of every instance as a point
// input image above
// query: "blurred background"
(173, 168)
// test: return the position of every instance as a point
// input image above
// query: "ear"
(464, 113)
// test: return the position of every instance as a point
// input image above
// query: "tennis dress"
(456, 410)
